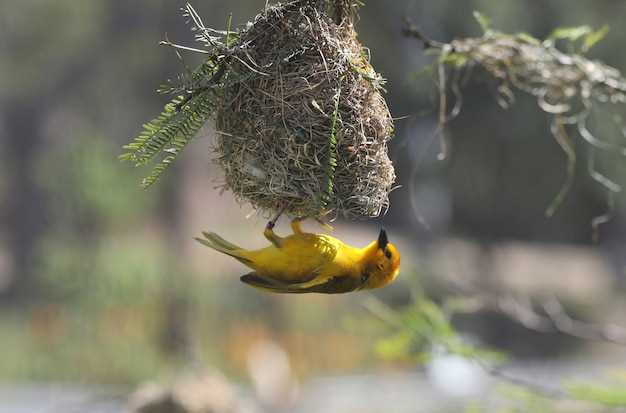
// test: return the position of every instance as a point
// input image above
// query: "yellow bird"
(312, 263)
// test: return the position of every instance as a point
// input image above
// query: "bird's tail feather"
(214, 241)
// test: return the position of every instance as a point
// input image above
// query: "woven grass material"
(303, 123)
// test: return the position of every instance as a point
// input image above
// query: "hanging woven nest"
(300, 116)
(305, 124)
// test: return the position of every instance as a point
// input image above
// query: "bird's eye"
(388, 254)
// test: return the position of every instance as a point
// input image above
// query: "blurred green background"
(102, 283)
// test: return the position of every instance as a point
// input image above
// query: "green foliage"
(120, 272)
(583, 36)
(106, 350)
(515, 399)
(525, 37)
(472, 408)
(101, 317)
(525, 400)
(483, 21)
(331, 164)
(95, 192)
(422, 328)
(169, 133)
(611, 395)
(42, 57)
(579, 38)
(569, 33)
(594, 37)
(454, 59)
(197, 98)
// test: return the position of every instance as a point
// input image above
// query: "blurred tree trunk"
(25, 111)
(25, 207)
(175, 337)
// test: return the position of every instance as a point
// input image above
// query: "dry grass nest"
(302, 123)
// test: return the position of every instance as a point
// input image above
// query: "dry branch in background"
(570, 88)
(548, 316)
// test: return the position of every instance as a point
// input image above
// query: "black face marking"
(382, 240)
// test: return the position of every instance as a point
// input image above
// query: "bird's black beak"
(382, 240)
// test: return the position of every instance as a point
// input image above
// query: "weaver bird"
(312, 263)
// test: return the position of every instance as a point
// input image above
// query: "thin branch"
(563, 323)
(387, 315)
(555, 319)
(411, 30)
(595, 142)
(605, 218)
(181, 47)
(443, 116)
(562, 138)
(499, 372)
(611, 187)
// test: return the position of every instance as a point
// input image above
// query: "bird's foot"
(269, 229)
(324, 220)
(272, 223)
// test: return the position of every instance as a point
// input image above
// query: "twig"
(564, 324)
(411, 30)
(555, 320)
(545, 391)
(562, 138)
(181, 47)
(217, 76)
(605, 218)
(443, 109)
(387, 315)
(611, 189)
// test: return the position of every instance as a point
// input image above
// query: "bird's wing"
(331, 285)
